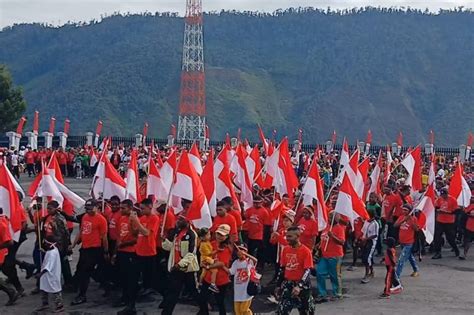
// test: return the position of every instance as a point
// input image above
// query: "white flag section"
(412, 163)
(132, 188)
(195, 158)
(459, 188)
(224, 186)
(107, 181)
(10, 202)
(47, 188)
(313, 189)
(154, 185)
(375, 177)
(241, 178)
(343, 161)
(167, 173)
(427, 206)
(188, 186)
(349, 203)
(17, 186)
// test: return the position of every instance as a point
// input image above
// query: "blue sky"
(58, 12)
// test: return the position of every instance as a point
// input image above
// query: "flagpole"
(168, 199)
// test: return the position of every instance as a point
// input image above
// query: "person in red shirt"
(309, 228)
(126, 257)
(407, 224)
(390, 260)
(293, 282)
(62, 161)
(5, 242)
(255, 219)
(469, 228)
(224, 218)
(222, 261)
(95, 247)
(331, 245)
(147, 226)
(229, 205)
(445, 207)
(30, 158)
(397, 200)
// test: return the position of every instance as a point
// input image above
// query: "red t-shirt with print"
(296, 261)
(93, 228)
(223, 255)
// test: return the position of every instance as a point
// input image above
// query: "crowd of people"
(145, 248)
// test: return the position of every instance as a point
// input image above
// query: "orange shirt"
(126, 235)
(227, 219)
(114, 220)
(296, 261)
(470, 220)
(329, 248)
(255, 218)
(93, 228)
(68, 208)
(449, 204)
(225, 256)
(309, 231)
(398, 203)
(238, 218)
(146, 245)
(406, 234)
(30, 157)
(5, 236)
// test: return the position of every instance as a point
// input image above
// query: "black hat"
(91, 203)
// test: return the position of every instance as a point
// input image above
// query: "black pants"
(31, 169)
(89, 258)
(9, 267)
(66, 269)
(147, 265)
(128, 277)
(204, 299)
(449, 229)
(110, 271)
(176, 281)
(161, 271)
(16, 171)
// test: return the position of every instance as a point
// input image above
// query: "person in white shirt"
(15, 163)
(242, 269)
(370, 233)
(50, 277)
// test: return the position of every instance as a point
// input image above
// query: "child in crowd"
(207, 254)
(390, 260)
(242, 269)
(50, 277)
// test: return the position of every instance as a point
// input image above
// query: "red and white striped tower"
(192, 101)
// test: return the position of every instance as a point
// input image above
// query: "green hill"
(383, 69)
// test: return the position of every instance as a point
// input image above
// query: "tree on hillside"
(12, 104)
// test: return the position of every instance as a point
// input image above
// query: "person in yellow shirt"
(207, 258)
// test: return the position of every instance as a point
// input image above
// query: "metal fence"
(80, 141)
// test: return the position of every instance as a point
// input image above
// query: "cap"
(223, 229)
(290, 215)
(91, 203)
(408, 207)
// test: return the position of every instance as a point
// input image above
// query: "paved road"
(444, 286)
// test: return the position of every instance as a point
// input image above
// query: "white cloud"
(60, 11)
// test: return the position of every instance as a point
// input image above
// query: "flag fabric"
(280, 169)
(195, 158)
(154, 185)
(313, 190)
(427, 207)
(375, 177)
(388, 166)
(459, 188)
(349, 203)
(107, 181)
(343, 161)
(92, 157)
(208, 182)
(263, 140)
(17, 186)
(188, 186)
(241, 177)
(168, 174)
(47, 188)
(224, 185)
(9, 202)
(412, 163)
(254, 168)
(363, 169)
(132, 191)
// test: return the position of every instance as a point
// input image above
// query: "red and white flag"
(188, 186)
(343, 161)
(313, 189)
(208, 181)
(47, 187)
(254, 168)
(132, 191)
(107, 181)
(241, 177)
(364, 174)
(9, 202)
(93, 159)
(167, 174)
(349, 203)
(375, 177)
(388, 166)
(195, 158)
(459, 188)
(154, 185)
(280, 169)
(427, 217)
(263, 140)
(412, 163)
(224, 186)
